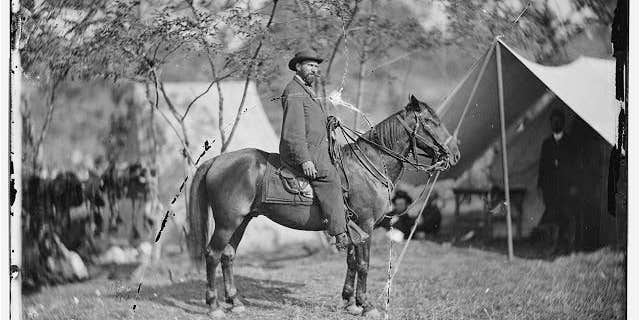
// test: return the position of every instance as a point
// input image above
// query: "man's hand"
(309, 169)
(334, 121)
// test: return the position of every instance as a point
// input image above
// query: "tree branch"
(184, 143)
(153, 107)
(172, 51)
(170, 105)
(223, 138)
(214, 81)
(336, 45)
(248, 78)
(48, 117)
(155, 52)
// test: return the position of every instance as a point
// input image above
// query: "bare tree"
(48, 52)
(380, 36)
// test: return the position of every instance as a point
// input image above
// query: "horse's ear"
(414, 104)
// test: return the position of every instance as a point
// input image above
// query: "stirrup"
(357, 235)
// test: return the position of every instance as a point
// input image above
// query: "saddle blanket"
(282, 186)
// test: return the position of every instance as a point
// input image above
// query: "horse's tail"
(198, 215)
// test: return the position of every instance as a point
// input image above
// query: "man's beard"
(308, 78)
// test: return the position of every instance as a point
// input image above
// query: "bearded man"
(304, 145)
(556, 181)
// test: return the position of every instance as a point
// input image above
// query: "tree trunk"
(359, 102)
(154, 138)
(247, 79)
(47, 121)
(187, 169)
(223, 137)
(335, 49)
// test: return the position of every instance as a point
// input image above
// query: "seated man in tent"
(304, 145)
(429, 222)
(554, 179)
(401, 201)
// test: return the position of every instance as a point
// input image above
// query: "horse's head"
(429, 134)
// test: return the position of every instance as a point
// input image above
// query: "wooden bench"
(491, 197)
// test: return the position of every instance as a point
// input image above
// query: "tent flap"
(586, 86)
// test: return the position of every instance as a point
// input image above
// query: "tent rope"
(432, 184)
(406, 245)
(387, 301)
(473, 90)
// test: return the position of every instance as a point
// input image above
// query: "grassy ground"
(437, 281)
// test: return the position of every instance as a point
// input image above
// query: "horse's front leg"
(348, 290)
(362, 257)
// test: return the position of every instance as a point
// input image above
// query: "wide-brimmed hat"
(303, 55)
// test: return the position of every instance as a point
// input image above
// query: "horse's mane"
(389, 131)
(386, 132)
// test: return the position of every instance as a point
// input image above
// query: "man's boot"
(356, 234)
(343, 241)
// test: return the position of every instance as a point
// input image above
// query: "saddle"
(281, 185)
(295, 184)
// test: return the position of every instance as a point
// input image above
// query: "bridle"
(440, 151)
(439, 155)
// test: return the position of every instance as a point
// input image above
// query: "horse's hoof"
(372, 313)
(238, 309)
(354, 310)
(216, 314)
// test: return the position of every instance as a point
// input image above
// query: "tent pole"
(505, 167)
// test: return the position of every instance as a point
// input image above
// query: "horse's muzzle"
(454, 158)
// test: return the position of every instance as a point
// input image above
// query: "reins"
(440, 164)
(398, 261)
(352, 136)
(413, 230)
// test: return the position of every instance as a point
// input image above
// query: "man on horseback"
(304, 144)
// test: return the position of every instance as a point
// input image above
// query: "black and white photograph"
(319, 159)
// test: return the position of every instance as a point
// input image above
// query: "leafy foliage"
(536, 26)
(140, 40)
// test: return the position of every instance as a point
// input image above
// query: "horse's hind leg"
(228, 256)
(216, 245)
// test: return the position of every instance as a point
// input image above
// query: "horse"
(230, 184)
(66, 193)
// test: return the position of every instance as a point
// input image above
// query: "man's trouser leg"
(329, 193)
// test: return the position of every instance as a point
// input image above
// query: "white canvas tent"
(253, 131)
(503, 80)
(586, 86)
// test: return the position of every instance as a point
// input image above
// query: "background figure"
(429, 221)
(401, 201)
(555, 182)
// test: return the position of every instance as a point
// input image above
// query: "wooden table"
(491, 197)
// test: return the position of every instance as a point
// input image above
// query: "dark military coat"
(304, 133)
(556, 173)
